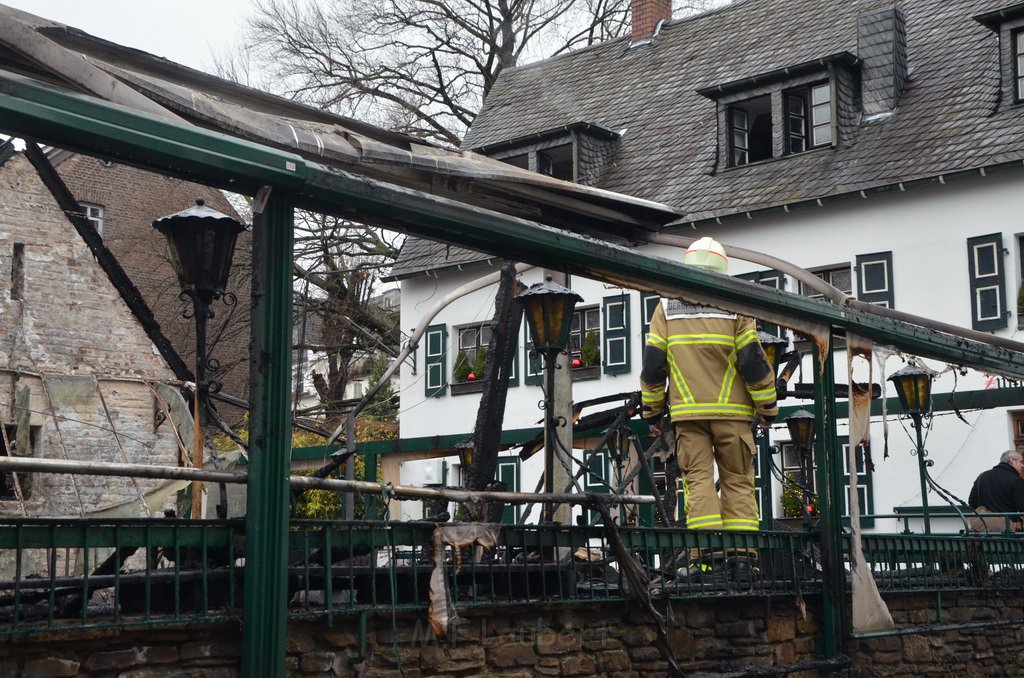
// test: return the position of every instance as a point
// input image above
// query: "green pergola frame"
(42, 112)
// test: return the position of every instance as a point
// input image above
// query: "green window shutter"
(988, 282)
(534, 372)
(648, 303)
(874, 279)
(508, 473)
(865, 486)
(436, 363)
(770, 278)
(615, 356)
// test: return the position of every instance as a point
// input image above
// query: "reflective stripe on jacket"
(712, 362)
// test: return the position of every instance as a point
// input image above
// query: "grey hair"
(1010, 455)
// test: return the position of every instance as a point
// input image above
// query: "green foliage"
(480, 362)
(321, 504)
(1020, 301)
(792, 499)
(462, 368)
(590, 352)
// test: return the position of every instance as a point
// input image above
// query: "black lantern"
(773, 347)
(201, 243)
(801, 428)
(914, 389)
(549, 308)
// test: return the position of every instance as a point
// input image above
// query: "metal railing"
(67, 574)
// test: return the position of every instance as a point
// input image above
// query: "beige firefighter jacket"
(712, 362)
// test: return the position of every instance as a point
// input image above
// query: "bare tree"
(422, 67)
(337, 264)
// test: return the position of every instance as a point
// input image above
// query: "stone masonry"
(709, 637)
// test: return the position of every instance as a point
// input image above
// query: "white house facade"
(883, 153)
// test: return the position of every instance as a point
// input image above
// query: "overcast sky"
(189, 32)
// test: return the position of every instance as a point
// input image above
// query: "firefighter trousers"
(728, 443)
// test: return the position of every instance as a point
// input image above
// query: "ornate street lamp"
(801, 425)
(548, 308)
(914, 389)
(201, 243)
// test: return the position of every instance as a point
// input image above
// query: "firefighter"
(718, 382)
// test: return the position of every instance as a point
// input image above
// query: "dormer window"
(577, 152)
(1008, 24)
(785, 112)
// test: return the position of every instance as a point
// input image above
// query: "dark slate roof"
(419, 255)
(947, 120)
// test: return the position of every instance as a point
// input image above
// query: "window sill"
(466, 387)
(585, 373)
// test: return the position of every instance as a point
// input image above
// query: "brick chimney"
(646, 15)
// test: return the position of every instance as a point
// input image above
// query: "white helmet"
(707, 253)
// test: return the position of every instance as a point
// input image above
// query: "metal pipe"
(36, 465)
(839, 297)
(922, 473)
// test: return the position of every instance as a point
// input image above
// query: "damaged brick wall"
(132, 198)
(708, 636)
(74, 357)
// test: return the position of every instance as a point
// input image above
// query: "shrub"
(590, 352)
(462, 368)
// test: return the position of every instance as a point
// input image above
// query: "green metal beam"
(830, 491)
(32, 109)
(267, 494)
(439, 219)
(80, 122)
(941, 402)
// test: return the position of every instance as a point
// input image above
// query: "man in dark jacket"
(999, 490)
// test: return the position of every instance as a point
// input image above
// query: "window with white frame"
(808, 118)
(840, 277)
(94, 213)
(585, 337)
(1018, 64)
(750, 130)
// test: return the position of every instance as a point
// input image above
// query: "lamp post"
(201, 243)
(801, 431)
(548, 308)
(914, 389)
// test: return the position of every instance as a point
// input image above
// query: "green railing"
(67, 574)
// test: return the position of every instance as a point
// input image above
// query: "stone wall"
(709, 637)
